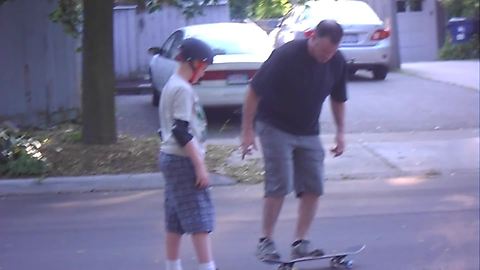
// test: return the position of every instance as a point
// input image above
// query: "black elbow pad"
(180, 132)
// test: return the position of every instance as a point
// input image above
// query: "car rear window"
(239, 39)
(348, 12)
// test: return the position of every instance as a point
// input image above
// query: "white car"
(366, 40)
(239, 48)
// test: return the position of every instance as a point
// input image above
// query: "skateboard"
(337, 259)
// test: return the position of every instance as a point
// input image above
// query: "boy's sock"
(174, 265)
(207, 266)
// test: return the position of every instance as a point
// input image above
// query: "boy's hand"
(202, 177)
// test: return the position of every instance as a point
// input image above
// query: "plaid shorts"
(187, 208)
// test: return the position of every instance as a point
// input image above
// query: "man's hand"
(248, 142)
(339, 145)
(202, 177)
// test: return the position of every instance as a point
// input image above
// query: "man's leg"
(308, 177)
(307, 208)
(277, 154)
(271, 210)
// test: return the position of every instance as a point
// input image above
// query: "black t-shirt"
(292, 87)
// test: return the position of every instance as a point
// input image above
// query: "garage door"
(417, 24)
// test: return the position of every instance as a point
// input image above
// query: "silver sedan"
(366, 40)
(239, 48)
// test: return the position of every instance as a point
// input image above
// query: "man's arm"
(338, 110)
(248, 117)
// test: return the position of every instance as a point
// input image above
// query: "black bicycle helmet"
(193, 49)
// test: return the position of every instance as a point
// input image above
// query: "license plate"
(349, 39)
(237, 79)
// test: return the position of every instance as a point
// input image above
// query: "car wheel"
(351, 73)
(155, 93)
(155, 98)
(380, 73)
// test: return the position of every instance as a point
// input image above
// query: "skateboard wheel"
(285, 267)
(334, 263)
(348, 264)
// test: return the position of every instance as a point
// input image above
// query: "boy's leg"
(203, 249)
(172, 245)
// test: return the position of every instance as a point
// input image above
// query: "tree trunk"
(98, 79)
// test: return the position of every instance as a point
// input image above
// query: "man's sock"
(174, 265)
(207, 266)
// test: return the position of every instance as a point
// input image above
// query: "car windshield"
(233, 39)
(348, 12)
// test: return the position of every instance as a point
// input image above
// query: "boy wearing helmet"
(188, 206)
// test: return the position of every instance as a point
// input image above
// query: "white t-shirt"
(179, 101)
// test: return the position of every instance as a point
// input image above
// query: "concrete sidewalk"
(464, 73)
(368, 156)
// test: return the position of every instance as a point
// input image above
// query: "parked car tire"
(351, 73)
(155, 93)
(380, 73)
(155, 97)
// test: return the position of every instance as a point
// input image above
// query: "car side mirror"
(155, 51)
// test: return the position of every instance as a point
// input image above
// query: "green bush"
(19, 155)
(468, 50)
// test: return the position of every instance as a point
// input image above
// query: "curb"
(155, 181)
(96, 183)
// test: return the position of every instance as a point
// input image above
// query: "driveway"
(402, 103)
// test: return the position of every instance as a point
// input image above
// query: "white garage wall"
(135, 32)
(418, 32)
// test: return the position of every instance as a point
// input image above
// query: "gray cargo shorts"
(292, 162)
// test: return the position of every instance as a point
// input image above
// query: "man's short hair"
(330, 29)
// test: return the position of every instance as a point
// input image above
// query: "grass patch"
(66, 155)
(248, 171)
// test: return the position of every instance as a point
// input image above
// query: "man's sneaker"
(266, 250)
(302, 248)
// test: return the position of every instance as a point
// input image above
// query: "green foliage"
(239, 9)
(462, 8)
(468, 50)
(266, 9)
(19, 155)
(189, 9)
(72, 136)
(69, 14)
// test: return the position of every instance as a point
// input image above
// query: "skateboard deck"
(337, 259)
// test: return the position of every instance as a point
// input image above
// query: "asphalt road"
(412, 223)
(402, 103)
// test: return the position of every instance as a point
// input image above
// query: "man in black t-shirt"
(285, 98)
